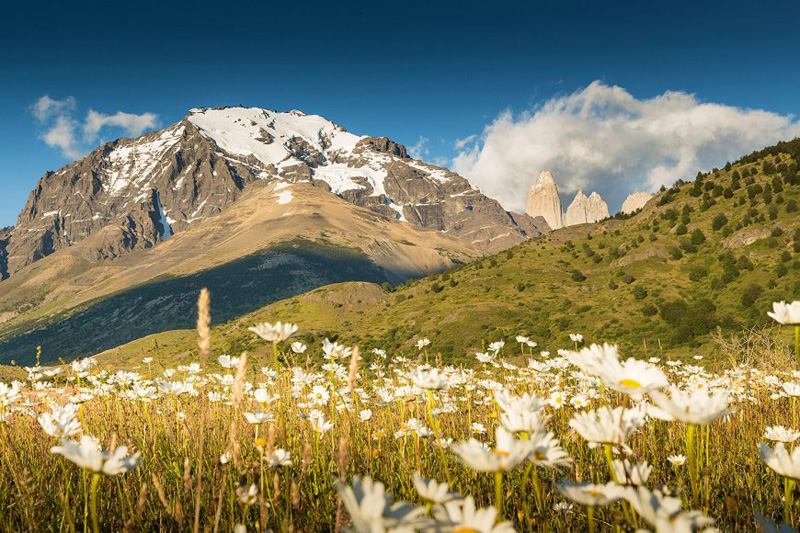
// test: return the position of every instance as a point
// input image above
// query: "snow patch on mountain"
(264, 134)
(398, 209)
(135, 162)
(269, 137)
(166, 230)
(284, 197)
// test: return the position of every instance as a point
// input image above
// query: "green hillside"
(702, 257)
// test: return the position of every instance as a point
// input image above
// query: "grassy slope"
(534, 289)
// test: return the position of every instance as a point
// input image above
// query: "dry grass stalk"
(204, 325)
(757, 347)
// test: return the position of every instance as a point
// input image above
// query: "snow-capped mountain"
(159, 184)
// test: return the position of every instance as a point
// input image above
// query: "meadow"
(325, 438)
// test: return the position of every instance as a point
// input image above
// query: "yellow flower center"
(500, 452)
(465, 530)
(630, 383)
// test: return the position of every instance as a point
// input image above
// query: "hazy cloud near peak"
(603, 138)
(419, 149)
(62, 128)
(133, 125)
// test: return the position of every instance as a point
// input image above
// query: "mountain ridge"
(163, 181)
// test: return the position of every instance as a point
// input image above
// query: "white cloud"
(603, 138)
(420, 149)
(58, 117)
(46, 107)
(61, 134)
(132, 124)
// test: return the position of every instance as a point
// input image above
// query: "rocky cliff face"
(635, 201)
(159, 184)
(543, 201)
(5, 235)
(586, 210)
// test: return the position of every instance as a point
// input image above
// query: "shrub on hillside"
(750, 294)
(577, 275)
(697, 272)
(729, 273)
(649, 310)
(718, 222)
(744, 263)
(689, 319)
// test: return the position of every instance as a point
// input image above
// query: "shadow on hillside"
(164, 304)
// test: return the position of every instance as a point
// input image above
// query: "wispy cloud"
(603, 138)
(132, 124)
(46, 107)
(460, 144)
(420, 149)
(62, 129)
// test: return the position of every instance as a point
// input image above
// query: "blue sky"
(438, 70)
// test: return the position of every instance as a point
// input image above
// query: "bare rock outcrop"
(543, 201)
(586, 210)
(5, 237)
(635, 201)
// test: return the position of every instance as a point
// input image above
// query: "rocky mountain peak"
(164, 181)
(545, 178)
(543, 201)
(585, 209)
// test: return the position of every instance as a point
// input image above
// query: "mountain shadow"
(238, 287)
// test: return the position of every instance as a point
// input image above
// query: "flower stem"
(590, 514)
(610, 460)
(537, 486)
(439, 436)
(788, 500)
(498, 491)
(93, 498)
(691, 453)
(797, 343)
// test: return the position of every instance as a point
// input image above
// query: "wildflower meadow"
(327, 438)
